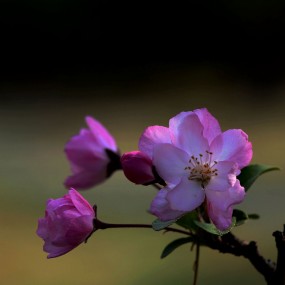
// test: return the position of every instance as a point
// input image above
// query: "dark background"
(50, 39)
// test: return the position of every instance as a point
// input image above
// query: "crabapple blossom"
(199, 163)
(93, 156)
(67, 223)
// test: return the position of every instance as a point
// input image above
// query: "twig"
(196, 263)
(279, 278)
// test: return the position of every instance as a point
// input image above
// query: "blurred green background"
(63, 60)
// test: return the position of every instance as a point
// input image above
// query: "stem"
(196, 263)
(156, 186)
(102, 226)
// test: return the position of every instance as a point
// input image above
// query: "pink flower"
(93, 155)
(67, 223)
(199, 163)
(137, 167)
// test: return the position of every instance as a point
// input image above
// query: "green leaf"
(250, 173)
(240, 217)
(173, 245)
(159, 225)
(253, 216)
(187, 221)
(211, 228)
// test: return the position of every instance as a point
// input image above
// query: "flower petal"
(55, 251)
(79, 229)
(81, 204)
(152, 136)
(232, 145)
(186, 196)
(188, 135)
(175, 122)
(211, 125)
(227, 172)
(101, 134)
(160, 207)
(170, 162)
(220, 204)
(86, 179)
(83, 149)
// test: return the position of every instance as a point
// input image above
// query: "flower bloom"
(199, 163)
(67, 223)
(93, 155)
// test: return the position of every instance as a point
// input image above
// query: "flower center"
(202, 168)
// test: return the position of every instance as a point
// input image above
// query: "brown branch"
(273, 274)
(279, 276)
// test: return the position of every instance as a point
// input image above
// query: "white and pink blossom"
(199, 163)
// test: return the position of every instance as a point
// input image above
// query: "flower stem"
(102, 225)
(196, 263)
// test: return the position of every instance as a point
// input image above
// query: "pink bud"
(137, 167)
(67, 223)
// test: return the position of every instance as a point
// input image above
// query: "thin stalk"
(102, 225)
(196, 263)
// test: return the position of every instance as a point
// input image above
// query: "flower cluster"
(192, 162)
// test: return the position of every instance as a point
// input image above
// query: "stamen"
(201, 155)
(202, 168)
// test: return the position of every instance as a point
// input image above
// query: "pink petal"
(152, 136)
(42, 228)
(81, 204)
(232, 145)
(101, 134)
(170, 162)
(175, 122)
(189, 136)
(186, 196)
(86, 179)
(83, 150)
(55, 251)
(211, 125)
(79, 229)
(220, 204)
(137, 167)
(226, 178)
(53, 204)
(160, 207)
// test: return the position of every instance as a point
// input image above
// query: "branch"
(273, 274)
(279, 278)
